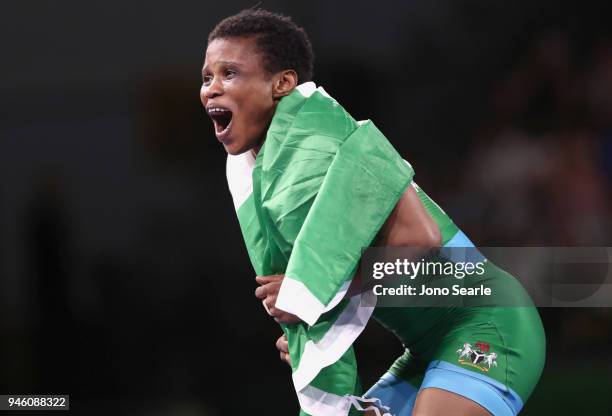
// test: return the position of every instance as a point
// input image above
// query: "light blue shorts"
(400, 396)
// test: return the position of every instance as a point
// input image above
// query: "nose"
(212, 90)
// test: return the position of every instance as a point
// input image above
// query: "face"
(237, 93)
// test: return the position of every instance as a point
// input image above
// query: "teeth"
(214, 110)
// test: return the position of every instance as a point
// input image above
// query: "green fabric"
(323, 185)
(515, 334)
(362, 186)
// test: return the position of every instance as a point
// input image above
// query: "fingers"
(285, 317)
(266, 307)
(268, 289)
(279, 316)
(282, 345)
(285, 357)
(261, 292)
(262, 280)
(268, 304)
(268, 292)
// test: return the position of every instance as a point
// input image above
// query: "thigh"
(436, 402)
(493, 358)
(393, 395)
(488, 360)
(397, 389)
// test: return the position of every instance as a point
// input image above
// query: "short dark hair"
(284, 44)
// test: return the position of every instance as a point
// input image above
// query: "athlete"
(471, 360)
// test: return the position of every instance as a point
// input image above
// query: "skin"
(234, 77)
(409, 225)
(429, 402)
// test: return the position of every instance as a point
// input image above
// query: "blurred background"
(124, 280)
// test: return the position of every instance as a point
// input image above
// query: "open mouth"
(222, 120)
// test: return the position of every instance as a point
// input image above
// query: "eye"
(229, 73)
(206, 79)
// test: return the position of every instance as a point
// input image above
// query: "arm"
(408, 225)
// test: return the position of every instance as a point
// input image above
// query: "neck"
(257, 147)
(255, 150)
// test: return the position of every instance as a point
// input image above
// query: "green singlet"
(493, 355)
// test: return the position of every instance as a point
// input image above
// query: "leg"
(396, 394)
(397, 389)
(438, 402)
(512, 340)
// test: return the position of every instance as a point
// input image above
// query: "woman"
(470, 360)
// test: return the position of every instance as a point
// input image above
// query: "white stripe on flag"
(239, 171)
(317, 402)
(294, 297)
(336, 341)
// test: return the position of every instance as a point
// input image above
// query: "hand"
(268, 292)
(283, 347)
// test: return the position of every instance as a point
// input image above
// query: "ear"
(284, 82)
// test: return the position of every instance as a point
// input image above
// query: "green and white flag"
(318, 192)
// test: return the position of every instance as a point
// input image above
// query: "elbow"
(432, 236)
(426, 235)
